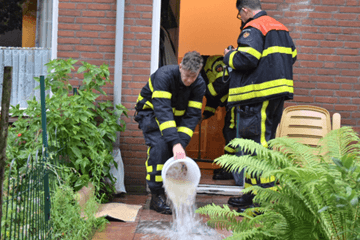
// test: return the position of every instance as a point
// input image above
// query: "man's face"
(187, 76)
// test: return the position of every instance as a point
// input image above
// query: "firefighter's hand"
(228, 49)
(179, 152)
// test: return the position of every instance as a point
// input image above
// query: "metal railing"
(26, 205)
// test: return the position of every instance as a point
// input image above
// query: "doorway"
(206, 26)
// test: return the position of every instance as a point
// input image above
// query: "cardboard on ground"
(118, 211)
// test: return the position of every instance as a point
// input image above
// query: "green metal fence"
(26, 202)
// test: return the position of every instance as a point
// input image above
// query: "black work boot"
(158, 203)
(243, 201)
(222, 174)
(254, 207)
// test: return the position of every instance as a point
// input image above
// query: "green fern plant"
(317, 194)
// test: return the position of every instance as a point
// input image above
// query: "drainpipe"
(119, 44)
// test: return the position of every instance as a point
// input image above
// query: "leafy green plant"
(84, 127)
(317, 195)
(69, 219)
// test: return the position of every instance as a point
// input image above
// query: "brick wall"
(86, 32)
(326, 33)
(327, 36)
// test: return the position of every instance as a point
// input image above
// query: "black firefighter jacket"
(177, 108)
(215, 74)
(262, 62)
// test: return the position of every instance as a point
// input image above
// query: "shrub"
(317, 195)
(79, 127)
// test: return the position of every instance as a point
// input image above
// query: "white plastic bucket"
(181, 169)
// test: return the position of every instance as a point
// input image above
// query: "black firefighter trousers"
(158, 151)
(257, 122)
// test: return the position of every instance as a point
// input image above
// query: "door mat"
(112, 211)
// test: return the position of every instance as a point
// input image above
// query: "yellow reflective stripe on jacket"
(212, 89)
(263, 126)
(277, 49)
(186, 130)
(195, 104)
(210, 109)
(223, 99)
(231, 59)
(294, 54)
(150, 85)
(139, 98)
(161, 94)
(178, 113)
(261, 90)
(168, 124)
(252, 51)
(148, 105)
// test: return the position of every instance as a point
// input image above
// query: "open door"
(206, 26)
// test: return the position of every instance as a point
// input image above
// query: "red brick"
(86, 34)
(93, 14)
(81, 6)
(352, 45)
(350, 9)
(333, 2)
(299, 91)
(66, 5)
(346, 93)
(328, 72)
(350, 73)
(344, 100)
(68, 54)
(69, 40)
(107, 21)
(66, 19)
(87, 20)
(325, 9)
(346, 79)
(104, 42)
(69, 13)
(99, 6)
(69, 26)
(330, 30)
(65, 47)
(331, 58)
(337, 44)
(322, 93)
(326, 99)
(107, 35)
(303, 99)
(328, 86)
(107, 49)
(66, 33)
(347, 65)
(92, 27)
(92, 55)
(311, 64)
(346, 107)
(86, 48)
(347, 51)
(86, 41)
(110, 14)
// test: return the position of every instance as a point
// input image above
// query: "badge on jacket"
(246, 35)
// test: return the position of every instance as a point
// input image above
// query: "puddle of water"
(186, 224)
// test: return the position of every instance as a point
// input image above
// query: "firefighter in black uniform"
(216, 76)
(168, 109)
(260, 82)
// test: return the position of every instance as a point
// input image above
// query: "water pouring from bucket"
(181, 178)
